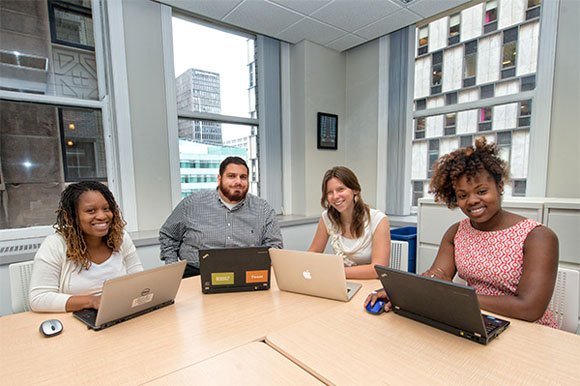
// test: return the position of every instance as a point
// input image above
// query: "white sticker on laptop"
(142, 300)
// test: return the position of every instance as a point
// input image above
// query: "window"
(519, 188)
(420, 128)
(216, 76)
(454, 23)
(417, 191)
(433, 154)
(421, 104)
(485, 115)
(450, 124)
(451, 98)
(508, 64)
(50, 113)
(465, 140)
(423, 43)
(437, 72)
(525, 113)
(533, 9)
(528, 83)
(488, 68)
(504, 143)
(71, 23)
(469, 64)
(83, 147)
(487, 91)
(490, 20)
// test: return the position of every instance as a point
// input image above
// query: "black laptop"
(445, 305)
(234, 269)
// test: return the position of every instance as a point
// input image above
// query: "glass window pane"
(450, 119)
(33, 145)
(504, 138)
(469, 68)
(420, 124)
(200, 152)
(83, 144)
(534, 3)
(454, 24)
(434, 145)
(490, 11)
(214, 69)
(437, 73)
(74, 28)
(485, 114)
(48, 49)
(526, 108)
(466, 140)
(509, 55)
(423, 36)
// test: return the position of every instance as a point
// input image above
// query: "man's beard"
(231, 195)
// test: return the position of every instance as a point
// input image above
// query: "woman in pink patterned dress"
(511, 261)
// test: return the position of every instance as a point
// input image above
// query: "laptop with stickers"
(445, 305)
(311, 273)
(129, 296)
(234, 269)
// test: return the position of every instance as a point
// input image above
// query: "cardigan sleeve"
(45, 294)
(130, 258)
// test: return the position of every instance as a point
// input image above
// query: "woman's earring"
(355, 198)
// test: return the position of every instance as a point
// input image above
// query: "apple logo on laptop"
(307, 274)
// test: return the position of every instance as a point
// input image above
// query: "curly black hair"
(67, 222)
(468, 161)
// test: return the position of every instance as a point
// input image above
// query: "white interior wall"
(564, 158)
(362, 106)
(146, 88)
(317, 76)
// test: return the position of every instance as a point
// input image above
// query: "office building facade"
(464, 64)
(199, 91)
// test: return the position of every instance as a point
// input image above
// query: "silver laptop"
(129, 296)
(310, 273)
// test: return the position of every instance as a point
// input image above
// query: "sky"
(209, 49)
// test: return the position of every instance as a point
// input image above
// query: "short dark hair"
(233, 160)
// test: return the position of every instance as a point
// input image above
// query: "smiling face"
(233, 184)
(479, 198)
(94, 214)
(339, 196)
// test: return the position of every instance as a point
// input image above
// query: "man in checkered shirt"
(226, 217)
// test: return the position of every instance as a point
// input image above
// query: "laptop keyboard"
(489, 327)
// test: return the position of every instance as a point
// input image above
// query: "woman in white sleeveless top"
(357, 233)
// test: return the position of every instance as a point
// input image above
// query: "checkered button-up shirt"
(201, 220)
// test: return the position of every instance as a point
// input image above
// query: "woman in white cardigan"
(89, 247)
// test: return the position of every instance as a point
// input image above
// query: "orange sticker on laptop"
(256, 276)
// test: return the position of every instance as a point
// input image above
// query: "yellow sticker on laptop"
(257, 276)
(222, 278)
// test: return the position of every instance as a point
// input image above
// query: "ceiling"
(336, 24)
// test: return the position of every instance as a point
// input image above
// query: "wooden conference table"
(219, 339)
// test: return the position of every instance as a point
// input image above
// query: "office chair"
(399, 255)
(564, 301)
(19, 282)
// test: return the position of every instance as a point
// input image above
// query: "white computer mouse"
(50, 328)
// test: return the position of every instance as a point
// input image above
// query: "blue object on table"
(377, 308)
(408, 234)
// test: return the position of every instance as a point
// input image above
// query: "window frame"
(269, 143)
(104, 102)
